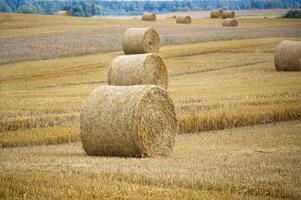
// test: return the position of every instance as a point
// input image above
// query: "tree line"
(98, 7)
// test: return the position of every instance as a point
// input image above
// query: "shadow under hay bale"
(230, 22)
(183, 20)
(228, 14)
(149, 16)
(288, 56)
(139, 69)
(216, 13)
(140, 40)
(136, 121)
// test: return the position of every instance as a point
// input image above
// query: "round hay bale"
(135, 121)
(216, 13)
(183, 20)
(147, 16)
(228, 14)
(230, 22)
(140, 40)
(287, 56)
(138, 69)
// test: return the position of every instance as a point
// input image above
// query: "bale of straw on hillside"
(140, 40)
(288, 56)
(138, 69)
(230, 22)
(147, 16)
(136, 121)
(216, 13)
(228, 14)
(183, 20)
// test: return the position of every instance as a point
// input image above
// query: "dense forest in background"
(99, 7)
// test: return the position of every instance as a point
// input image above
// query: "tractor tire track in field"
(217, 69)
(72, 84)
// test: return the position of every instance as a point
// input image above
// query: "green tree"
(30, 9)
(77, 10)
(4, 7)
(293, 14)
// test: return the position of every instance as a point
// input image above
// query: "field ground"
(28, 37)
(206, 14)
(226, 81)
(259, 162)
(214, 85)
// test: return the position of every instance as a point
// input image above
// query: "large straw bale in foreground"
(230, 22)
(138, 69)
(147, 16)
(288, 56)
(183, 20)
(137, 121)
(228, 14)
(216, 13)
(140, 40)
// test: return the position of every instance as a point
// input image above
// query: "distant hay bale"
(288, 56)
(138, 69)
(171, 17)
(216, 13)
(228, 14)
(62, 13)
(183, 20)
(148, 16)
(140, 40)
(230, 22)
(136, 121)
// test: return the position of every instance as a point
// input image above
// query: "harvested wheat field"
(259, 162)
(28, 37)
(238, 118)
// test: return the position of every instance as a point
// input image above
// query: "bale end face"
(287, 56)
(135, 121)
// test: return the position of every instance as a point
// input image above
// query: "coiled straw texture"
(140, 40)
(136, 121)
(287, 56)
(138, 69)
